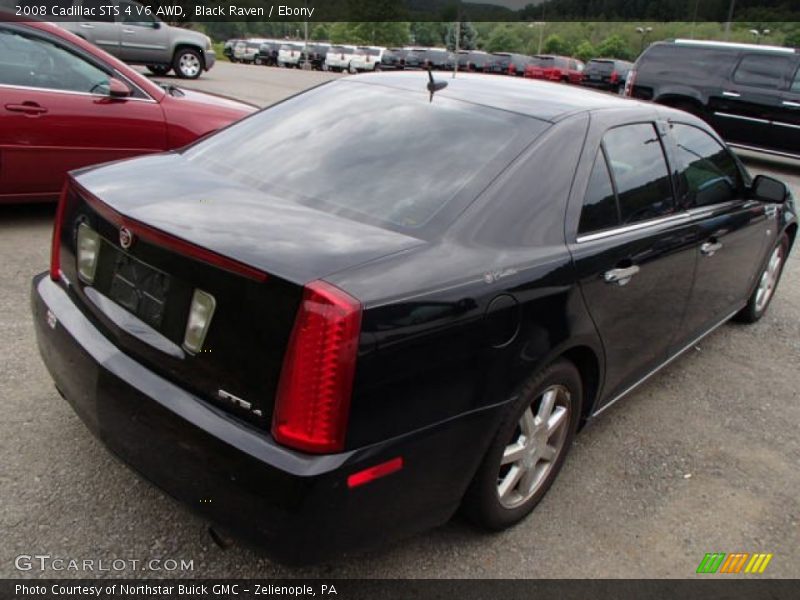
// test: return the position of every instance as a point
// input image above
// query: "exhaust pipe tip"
(221, 538)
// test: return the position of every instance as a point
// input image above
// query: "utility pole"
(458, 43)
(730, 18)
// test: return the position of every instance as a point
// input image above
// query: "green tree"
(615, 47)
(555, 44)
(792, 39)
(468, 38)
(503, 39)
(385, 33)
(585, 51)
(428, 33)
(320, 32)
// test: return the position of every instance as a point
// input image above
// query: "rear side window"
(640, 173)
(600, 209)
(709, 170)
(796, 82)
(762, 70)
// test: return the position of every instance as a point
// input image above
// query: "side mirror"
(768, 189)
(156, 24)
(118, 89)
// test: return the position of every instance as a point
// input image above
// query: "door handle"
(791, 104)
(731, 94)
(87, 25)
(710, 248)
(621, 276)
(29, 108)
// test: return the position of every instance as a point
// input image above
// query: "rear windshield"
(368, 52)
(600, 66)
(370, 153)
(342, 49)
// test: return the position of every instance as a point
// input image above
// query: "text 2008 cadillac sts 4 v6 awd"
(415, 313)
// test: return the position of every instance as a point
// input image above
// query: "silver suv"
(135, 35)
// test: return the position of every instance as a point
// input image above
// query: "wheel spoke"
(549, 453)
(556, 420)
(513, 453)
(509, 481)
(547, 404)
(526, 423)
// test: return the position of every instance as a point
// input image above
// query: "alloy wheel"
(534, 447)
(769, 279)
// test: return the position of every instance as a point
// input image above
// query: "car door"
(633, 252)
(98, 25)
(732, 232)
(56, 115)
(789, 120)
(745, 110)
(142, 37)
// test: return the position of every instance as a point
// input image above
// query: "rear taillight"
(614, 77)
(313, 400)
(629, 83)
(55, 248)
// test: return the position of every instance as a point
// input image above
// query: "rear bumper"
(210, 59)
(297, 506)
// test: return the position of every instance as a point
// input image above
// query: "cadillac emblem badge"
(125, 238)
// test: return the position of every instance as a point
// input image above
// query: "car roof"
(542, 100)
(733, 46)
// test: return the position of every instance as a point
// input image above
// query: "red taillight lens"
(614, 77)
(629, 83)
(313, 400)
(55, 248)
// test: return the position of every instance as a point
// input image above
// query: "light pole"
(730, 18)
(759, 33)
(644, 32)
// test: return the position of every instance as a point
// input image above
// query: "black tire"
(187, 63)
(482, 503)
(756, 306)
(159, 70)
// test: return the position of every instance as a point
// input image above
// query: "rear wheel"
(767, 283)
(528, 450)
(159, 70)
(188, 63)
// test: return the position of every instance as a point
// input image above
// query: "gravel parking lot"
(702, 458)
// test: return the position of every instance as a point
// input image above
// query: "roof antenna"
(434, 86)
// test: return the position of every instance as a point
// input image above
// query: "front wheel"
(188, 63)
(528, 450)
(767, 283)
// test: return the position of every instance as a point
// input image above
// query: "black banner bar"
(580, 589)
(329, 11)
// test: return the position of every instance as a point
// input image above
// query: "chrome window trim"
(74, 93)
(763, 150)
(741, 117)
(599, 235)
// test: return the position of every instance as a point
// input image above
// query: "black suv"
(606, 74)
(749, 94)
(316, 55)
(268, 53)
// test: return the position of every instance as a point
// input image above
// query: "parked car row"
(606, 73)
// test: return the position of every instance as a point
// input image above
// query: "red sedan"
(66, 104)
(555, 68)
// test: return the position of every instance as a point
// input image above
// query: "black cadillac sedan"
(414, 314)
